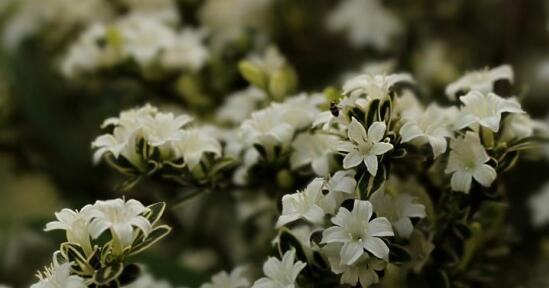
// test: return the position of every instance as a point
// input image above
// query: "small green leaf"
(253, 74)
(156, 235)
(155, 212)
(108, 274)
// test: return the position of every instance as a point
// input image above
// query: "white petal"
(380, 227)
(410, 131)
(485, 175)
(404, 227)
(465, 119)
(371, 164)
(321, 166)
(362, 210)
(350, 252)
(124, 233)
(376, 131)
(345, 185)
(352, 159)
(285, 219)
(438, 144)
(491, 122)
(315, 214)
(356, 131)
(461, 181)
(381, 148)
(97, 227)
(335, 234)
(377, 247)
(342, 217)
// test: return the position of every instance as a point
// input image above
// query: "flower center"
(364, 148)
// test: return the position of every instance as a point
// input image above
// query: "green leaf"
(74, 253)
(156, 235)
(155, 212)
(108, 274)
(368, 184)
(288, 241)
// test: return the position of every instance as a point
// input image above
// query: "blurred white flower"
(398, 209)
(365, 147)
(239, 105)
(225, 280)
(363, 270)
(538, 203)
(373, 86)
(430, 126)
(58, 276)
(305, 204)
(31, 17)
(485, 109)
(366, 23)
(357, 232)
(467, 161)
(280, 274)
(228, 20)
(267, 128)
(481, 80)
(341, 186)
(187, 51)
(192, 144)
(314, 149)
(163, 128)
(518, 126)
(161, 10)
(146, 280)
(120, 217)
(75, 223)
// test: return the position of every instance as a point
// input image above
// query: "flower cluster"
(93, 256)
(145, 136)
(146, 42)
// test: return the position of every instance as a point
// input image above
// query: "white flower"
(374, 86)
(538, 204)
(305, 204)
(239, 105)
(363, 270)
(356, 232)
(485, 109)
(187, 51)
(143, 39)
(315, 149)
(163, 127)
(229, 20)
(268, 129)
(120, 217)
(300, 110)
(398, 210)
(365, 147)
(146, 280)
(341, 186)
(58, 276)
(75, 223)
(193, 144)
(225, 280)
(467, 161)
(432, 126)
(518, 126)
(280, 274)
(85, 55)
(366, 22)
(482, 80)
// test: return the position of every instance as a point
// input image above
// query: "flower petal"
(380, 227)
(371, 164)
(485, 175)
(350, 252)
(335, 234)
(352, 159)
(376, 131)
(381, 148)
(356, 131)
(461, 181)
(377, 247)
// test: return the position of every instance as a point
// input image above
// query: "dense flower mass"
(291, 144)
